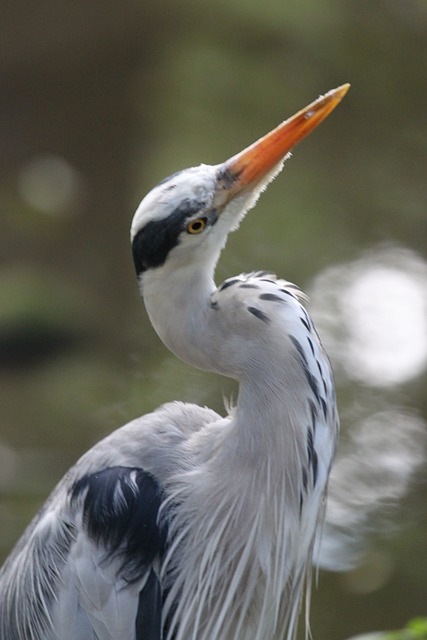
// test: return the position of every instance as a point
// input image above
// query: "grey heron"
(185, 525)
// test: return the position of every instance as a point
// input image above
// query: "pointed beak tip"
(336, 95)
(252, 165)
(341, 90)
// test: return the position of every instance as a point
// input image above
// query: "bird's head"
(184, 221)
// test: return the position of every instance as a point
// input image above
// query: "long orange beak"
(252, 165)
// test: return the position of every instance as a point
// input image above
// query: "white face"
(194, 188)
(187, 217)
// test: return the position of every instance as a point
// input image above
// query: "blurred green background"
(99, 101)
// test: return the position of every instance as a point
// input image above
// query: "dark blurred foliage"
(99, 102)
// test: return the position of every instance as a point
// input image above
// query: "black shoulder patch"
(148, 624)
(120, 511)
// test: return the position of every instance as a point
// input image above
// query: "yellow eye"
(196, 226)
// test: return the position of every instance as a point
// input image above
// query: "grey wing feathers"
(88, 569)
(88, 563)
(31, 578)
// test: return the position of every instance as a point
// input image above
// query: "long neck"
(178, 305)
(273, 383)
(271, 418)
(275, 402)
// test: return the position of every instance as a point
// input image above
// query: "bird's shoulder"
(89, 565)
(89, 560)
(114, 562)
(260, 293)
(156, 441)
(256, 283)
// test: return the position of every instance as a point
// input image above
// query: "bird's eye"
(196, 226)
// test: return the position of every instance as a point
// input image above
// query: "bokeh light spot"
(372, 315)
(49, 184)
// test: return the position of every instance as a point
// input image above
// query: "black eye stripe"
(152, 244)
